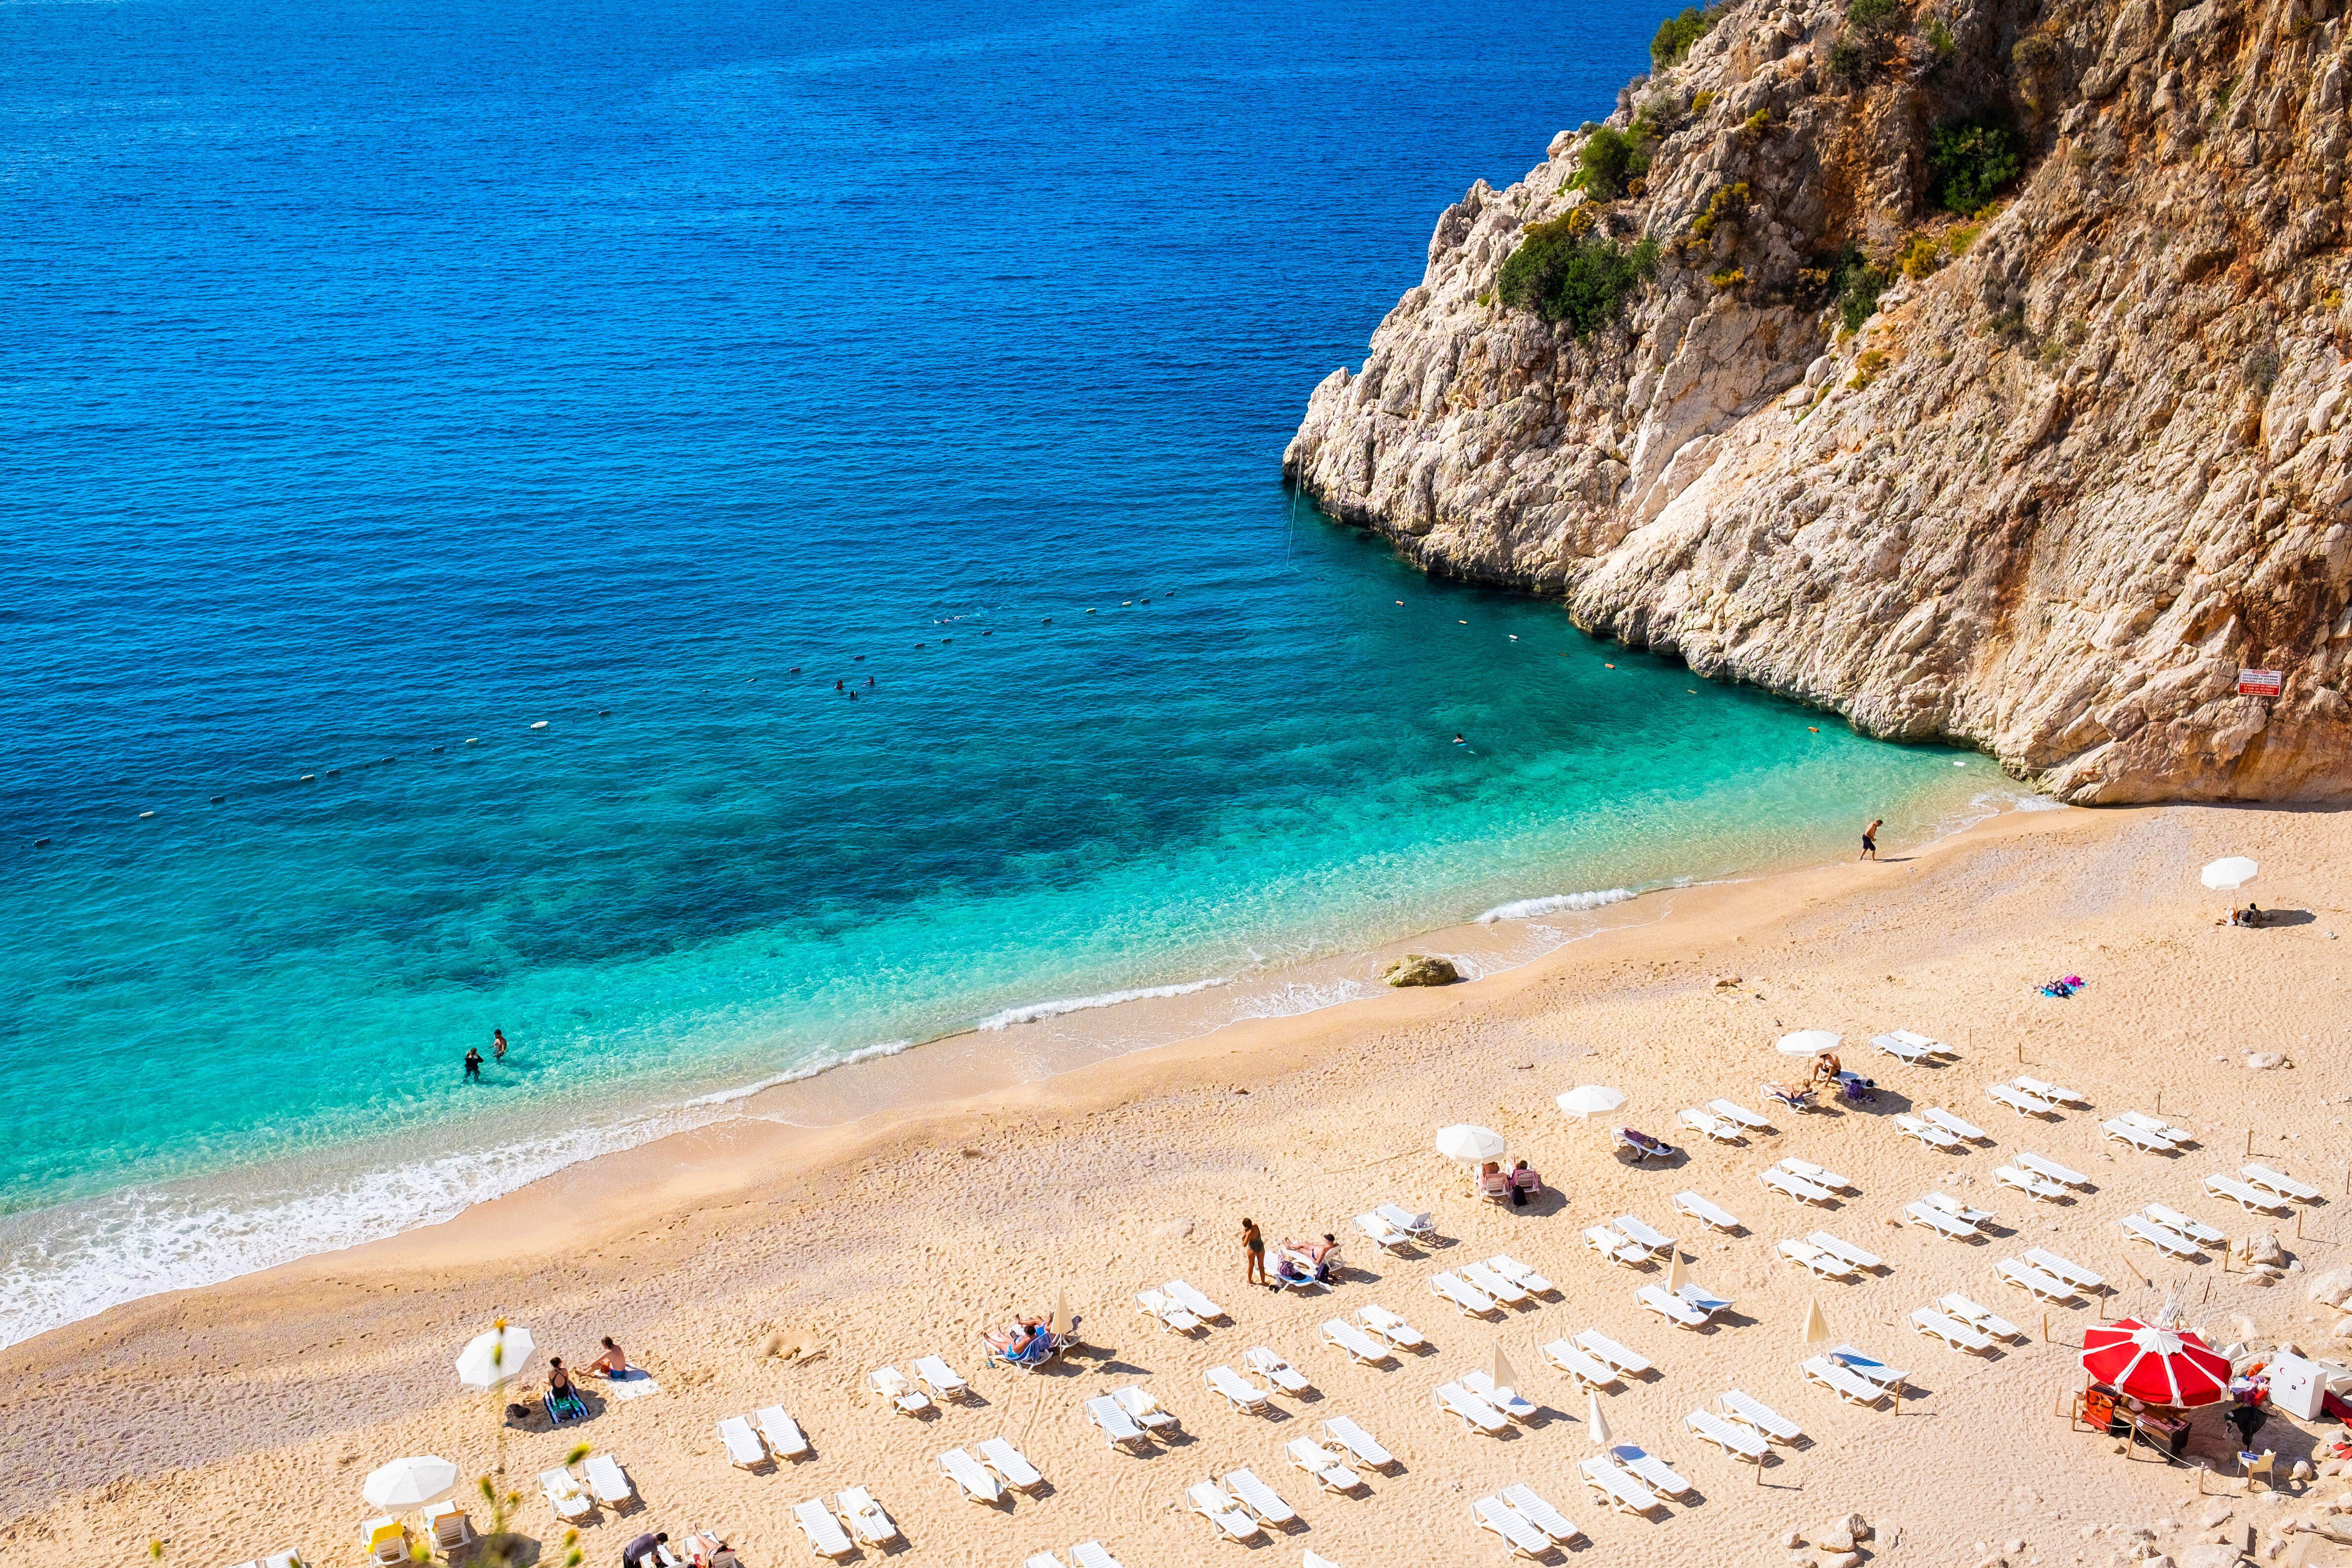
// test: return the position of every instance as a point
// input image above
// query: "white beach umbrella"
(1588, 1099)
(1596, 1425)
(2229, 874)
(1807, 1042)
(409, 1483)
(490, 1359)
(1468, 1143)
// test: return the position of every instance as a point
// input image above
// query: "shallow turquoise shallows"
(854, 432)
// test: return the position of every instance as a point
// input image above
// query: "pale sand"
(237, 1420)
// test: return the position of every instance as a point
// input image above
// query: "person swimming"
(1458, 740)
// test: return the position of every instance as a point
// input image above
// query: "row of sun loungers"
(853, 1520)
(1691, 1306)
(1910, 1048)
(608, 1486)
(1804, 1181)
(778, 1435)
(1528, 1524)
(1178, 1307)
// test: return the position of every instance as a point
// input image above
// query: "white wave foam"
(1558, 902)
(2039, 803)
(745, 1090)
(1037, 1010)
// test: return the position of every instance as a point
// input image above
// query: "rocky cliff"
(2086, 453)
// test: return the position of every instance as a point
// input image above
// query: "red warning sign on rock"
(2258, 683)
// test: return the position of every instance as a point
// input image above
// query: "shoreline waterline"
(141, 1241)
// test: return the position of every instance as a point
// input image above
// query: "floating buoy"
(1959, 765)
(858, 660)
(919, 645)
(1090, 609)
(1608, 666)
(541, 724)
(1047, 622)
(1126, 603)
(1399, 604)
(40, 843)
(1462, 623)
(389, 760)
(1814, 727)
(1693, 690)
(1514, 636)
(439, 750)
(217, 801)
(308, 777)
(796, 669)
(601, 713)
(473, 740)
(988, 634)
(144, 815)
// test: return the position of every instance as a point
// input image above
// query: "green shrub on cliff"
(1610, 159)
(1969, 162)
(1676, 33)
(1854, 287)
(1565, 273)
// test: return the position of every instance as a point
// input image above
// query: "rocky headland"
(1977, 369)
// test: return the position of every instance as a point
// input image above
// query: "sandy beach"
(758, 1262)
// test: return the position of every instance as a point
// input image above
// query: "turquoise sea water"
(385, 381)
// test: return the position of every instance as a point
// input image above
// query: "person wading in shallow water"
(473, 1065)
(499, 1045)
(1870, 838)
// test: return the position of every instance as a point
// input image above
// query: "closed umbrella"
(1504, 1374)
(490, 1359)
(408, 1483)
(1596, 1425)
(2157, 1365)
(1469, 1144)
(1806, 1042)
(1817, 1327)
(2229, 874)
(1061, 1325)
(1588, 1100)
(1676, 1275)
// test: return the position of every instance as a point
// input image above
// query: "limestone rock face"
(1421, 969)
(2052, 496)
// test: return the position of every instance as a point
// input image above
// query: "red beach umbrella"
(2158, 1365)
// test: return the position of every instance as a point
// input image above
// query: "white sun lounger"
(2279, 1182)
(1845, 1384)
(744, 1449)
(1702, 1298)
(1143, 1407)
(1257, 1497)
(1419, 1226)
(1539, 1513)
(1958, 1211)
(1968, 1311)
(1381, 1234)
(1358, 1346)
(1587, 1369)
(2057, 1094)
(1011, 1464)
(896, 1391)
(941, 1378)
(1192, 1302)
(1708, 1125)
(1671, 1306)
(2073, 1273)
(2164, 1239)
(1223, 1511)
(1653, 1472)
(1704, 1211)
(445, 1521)
(608, 1482)
(1519, 1274)
(1524, 1540)
(2016, 1099)
(563, 1494)
(1325, 1466)
(2042, 1165)
(865, 1519)
(1821, 1176)
(823, 1531)
(1115, 1424)
(1093, 1555)
(1269, 1364)
(1167, 1314)
(1467, 1299)
(1733, 1111)
(1934, 1137)
(1820, 1264)
(1747, 1407)
(2026, 1277)
(2162, 1129)
(1390, 1327)
(1042, 1560)
(2139, 1138)
(1311, 1558)
(1958, 1126)
(1617, 1488)
(1951, 1331)
(1837, 1248)
(1367, 1451)
(2029, 1184)
(2251, 1198)
(1909, 1049)
(1862, 1363)
(1643, 1235)
(1604, 1240)
(1738, 1442)
(1484, 1278)
(1631, 1362)
(1475, 1413)
(2172, 1218)
(785, 1439)
(1239, 1392)
(1795, 1185)
(1941, 1222)
(1506, 1399)
(970, 1475)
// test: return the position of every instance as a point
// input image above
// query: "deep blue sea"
(853, 433)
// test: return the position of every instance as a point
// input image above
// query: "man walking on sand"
(1870, 838)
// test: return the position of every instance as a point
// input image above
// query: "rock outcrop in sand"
(2091, 455)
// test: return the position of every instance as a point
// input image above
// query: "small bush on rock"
(1854, 287)
(1970, 163)
(1676, 33)
(1583, 279)
(1870, 15)
(1609, 159)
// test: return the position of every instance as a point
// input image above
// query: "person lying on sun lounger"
(612, 1364)
(1795, 1099)
(1316, 1259)
(1644, 1146)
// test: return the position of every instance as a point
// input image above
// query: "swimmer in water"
(837, 685)
(499, 1045)
(1459, 741)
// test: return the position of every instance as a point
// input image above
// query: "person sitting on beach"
(563, 1401)
(1324, 1256)
(1826, 1068)
(1492, 1183)
(612, 1364)
(1525, 1184)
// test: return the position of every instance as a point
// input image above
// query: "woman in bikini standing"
(1253, 1255)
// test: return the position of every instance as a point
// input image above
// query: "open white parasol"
(1806, 1042)
(412, 1483)
(2229, 874)
(490, 1359)
(1470, 1145)
(1588, 1099)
